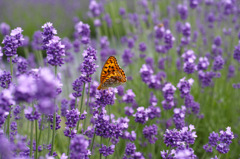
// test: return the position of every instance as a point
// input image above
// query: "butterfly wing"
(109, 68)
(111, 75)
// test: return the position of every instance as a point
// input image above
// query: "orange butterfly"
(112, 75)
(160, 25)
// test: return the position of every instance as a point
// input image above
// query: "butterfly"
(112, 75)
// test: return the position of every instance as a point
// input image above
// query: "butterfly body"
(112, 75)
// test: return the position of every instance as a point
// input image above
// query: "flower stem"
(31, 139)
(85, 120)
(101, 147)
(9, 115)
(92, 142)
(54, 119)
(36, 129)
(109, 113)
(80, 109)
(40, 134)
(53, 132)
(11, 67)
(69, 140)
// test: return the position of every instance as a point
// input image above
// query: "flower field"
(141, 79)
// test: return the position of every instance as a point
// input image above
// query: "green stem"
(31, 139)
(53, 132)
(101, 146)
(11, 67)
(9, 115)
(84, 125)
(8, 123)
(80, 109)
(109, 113)
(92, 143)
(36, 129)
(54, 120)
(40, 134)
(69, 140)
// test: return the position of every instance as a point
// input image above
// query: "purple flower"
(89, 132)
(76, 45)
(226, 136)
(31, 114)
(222, 148)
(159, 32)
(88, 67)
(120, 90)
(167, 105)
(95, 8)
(153, 99)
(188, 135)
(168, 92)
(25, 41)
(213, 139)
(184, 86)
(55, 51)
(183, 11)
(186, 153)
(231, 71)
(167, 155)
(172, 138)
(141, 115)
(218, 63)
(122, 11)
(193, 3)
(186, 30)
(217, 41)
(82, 29)
(58, 121)
(179, 117)
(106, 151)
(154, 112)
(77, 87)
(130, 43)
(97, 23)
(130, 136)
(26, 89)
(189, 56)
(104, 98)
(146, 73)
(78, 147)
(236, 54)
(6, 148)
(37, 41)
(168, 39)
(17, 112)
(5, 79)
(203, 63)
(22, 65)
(104, 42)
(4, 28)
(12, 42)
(130, 149)
(149, 133)
(127, 57)
(206, 78)
(208, 148)
(72, 118)
(108, 20)
(129, 97)
(129, 111)
(189, 67)
(47, 86)
(48, 34)
(142, 47)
